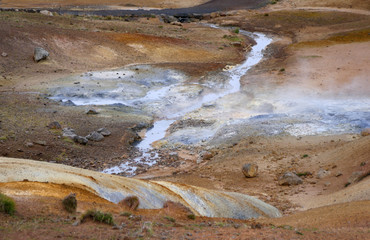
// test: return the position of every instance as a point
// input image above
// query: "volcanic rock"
(289, 178)
(80, 140)
(69, 132)
(250, 170)
(104, 132)
(40, 54)
(95, 136)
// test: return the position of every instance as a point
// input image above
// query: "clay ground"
(330, 48)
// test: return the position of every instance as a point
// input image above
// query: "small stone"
(41, 143)
(365, 132)
(117, 227)
(80, 140)
(95, 136)
(103, 131)
(46, 13)
(4, 54)
(338, 174)
(173, 156)
(76, 223)
(29, 144)
(289, 178)
(40, 54)
(206, 155)
(91, 111)
(54, 125)
(250, 170)
(70, 203)
(327, 184)
(322, 173)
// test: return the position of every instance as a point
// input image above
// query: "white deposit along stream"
(158, 131)
(228, 112)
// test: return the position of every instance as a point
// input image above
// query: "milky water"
(159, 129)
(168, 95)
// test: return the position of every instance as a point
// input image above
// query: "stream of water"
(158, 131)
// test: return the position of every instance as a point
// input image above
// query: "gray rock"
(91, 111)
(69, 132)
(41, 143)
(40, 54)
(168, 19)
(103, 131)
(76, 223)
(322, 173)
(95, 136)
(68, 103)
(80, 140)
(289, 178)
(4, 54)
(250, 170)
(46, 13)
(29, 144)
(54, 125)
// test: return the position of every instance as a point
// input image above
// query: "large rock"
(95, 136)
(289, 178)
(103, 131)
(40, 54)
(250, 170)
(69, 132)
(151, 194)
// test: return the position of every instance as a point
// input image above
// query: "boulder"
(103, 131)
(69, 132)
(250, 170)
(95, 136)
(289, 178)
(40, 54)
